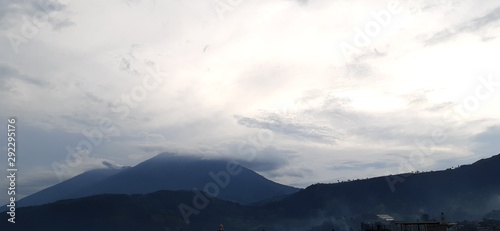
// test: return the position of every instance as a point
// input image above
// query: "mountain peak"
(167, 171)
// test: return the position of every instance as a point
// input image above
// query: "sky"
(301, 91)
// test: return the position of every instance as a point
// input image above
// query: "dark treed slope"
(468, 192)
(464, 192)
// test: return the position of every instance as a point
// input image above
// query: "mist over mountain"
(467, 192)
(224, 179)
(305, 93)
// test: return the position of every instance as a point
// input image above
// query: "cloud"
(472, 25)
(293, 129)
(267, 79)
(258, 155)
(13, 7)
(362, 166)
(486, 142)
(63, 23)
(304, 120)
(299, 173)
(268, 159)
(9, 75)
(34, 13)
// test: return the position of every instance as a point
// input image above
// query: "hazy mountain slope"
(68, 188)
(465, 192)
(168, 172)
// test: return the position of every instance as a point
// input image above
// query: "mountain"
(465, 192)
(220, 178)
(69, 188)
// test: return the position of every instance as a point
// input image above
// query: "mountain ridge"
(169, 172)
(463, 192)
(467, 192)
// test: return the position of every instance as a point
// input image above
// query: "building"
(385, 222)
(381, 222)
(423, 226)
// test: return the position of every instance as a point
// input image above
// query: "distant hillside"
(169, 172)
(468, 192)
(465, 192)
(155, 211)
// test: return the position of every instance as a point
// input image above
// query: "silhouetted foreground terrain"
(462, 193)
(467, 192)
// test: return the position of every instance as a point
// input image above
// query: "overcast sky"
(302, 91)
